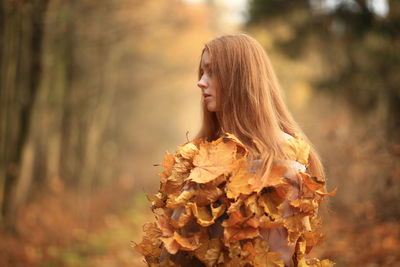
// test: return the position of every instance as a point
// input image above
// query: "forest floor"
(97, 229)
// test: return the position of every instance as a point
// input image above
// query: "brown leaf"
(150, 244)
(210, 251)
(157, 200)
(164, 225)
(180, 217)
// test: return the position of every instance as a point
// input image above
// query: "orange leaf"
(239, 233)
(239, 183)
(274, 178)
(168, 163)
(313, 183)
(214, 159)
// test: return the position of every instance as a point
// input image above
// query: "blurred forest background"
(93, 93)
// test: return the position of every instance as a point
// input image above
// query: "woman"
(246, 190)
(241, 95)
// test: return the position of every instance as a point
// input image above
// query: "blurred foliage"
(87, 89)
(358, 50)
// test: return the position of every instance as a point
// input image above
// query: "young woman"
(246, 202)
(241, 95)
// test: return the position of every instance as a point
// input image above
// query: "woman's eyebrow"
(206, 65)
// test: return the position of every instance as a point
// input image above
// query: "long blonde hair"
(252, 107)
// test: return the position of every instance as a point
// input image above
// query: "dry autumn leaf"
(211, 209)
(214, 159)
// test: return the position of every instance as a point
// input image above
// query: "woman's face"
(208, 84)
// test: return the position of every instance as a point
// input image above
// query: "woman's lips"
(207, 97)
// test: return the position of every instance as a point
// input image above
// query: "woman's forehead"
(205, 59)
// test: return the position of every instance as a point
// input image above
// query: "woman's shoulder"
(298, 148)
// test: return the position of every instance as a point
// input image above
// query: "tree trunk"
(20, 70)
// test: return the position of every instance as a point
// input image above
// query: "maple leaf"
(214, 159)
(168, 163)
(206, 215)
(264, 258)
(266, 222)
(207, 185)
(180, 217)
(251, 206)
(312, 239)
(241, 148)
(187, 151)
(177, 242)
(210, 251)
(272, 204)
(164, 225)
(238, 227)
(240, 182)
(313, 183)
(301, 251)
(151, 242)
(274, 178)
(207, 194)
(305, 205)
(294, 226)
(298, 150)
(181, 199)
(157, 200)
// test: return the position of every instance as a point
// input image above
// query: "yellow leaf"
(265, 258)
(181, 199)
(207, 194)
(177, 242)
(271, 204)
(294, 226)
(206, 215)
(188, 151)
(298, 150)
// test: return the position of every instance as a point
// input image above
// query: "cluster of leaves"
(212, 210)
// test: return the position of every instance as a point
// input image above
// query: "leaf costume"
(211, 210)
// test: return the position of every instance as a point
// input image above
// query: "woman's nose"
(202, 83)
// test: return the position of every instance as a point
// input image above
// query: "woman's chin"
(211, 109)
